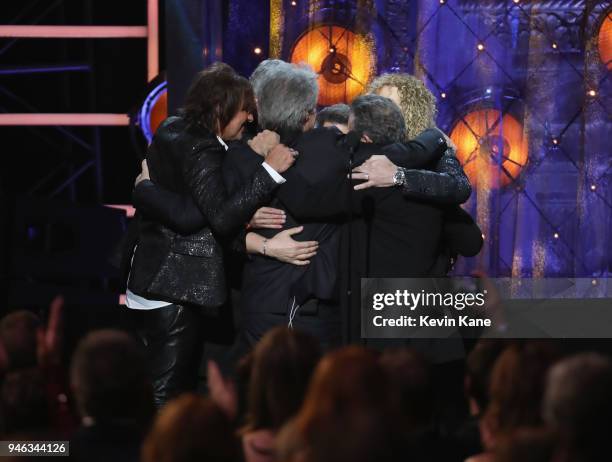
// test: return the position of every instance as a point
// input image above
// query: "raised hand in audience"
(49, 338)
(222, 390)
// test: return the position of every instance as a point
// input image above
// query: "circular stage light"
(491, 147)
(154, 110)
(604, 40)
(344, 61)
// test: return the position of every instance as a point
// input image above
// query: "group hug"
(251, 187)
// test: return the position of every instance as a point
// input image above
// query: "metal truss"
(31, 117)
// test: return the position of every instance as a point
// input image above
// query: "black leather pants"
(174, 342)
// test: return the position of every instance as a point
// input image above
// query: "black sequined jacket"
(188, 268)
(443, 181)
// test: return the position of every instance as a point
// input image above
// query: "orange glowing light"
(344, 61)
(491, 150)
(605, 41)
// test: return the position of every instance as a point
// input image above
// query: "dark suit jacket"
(445, 183)
(435, 179)
(385, 235)
(392, 235)
(272, 286)
(269, 285)
(188, 268)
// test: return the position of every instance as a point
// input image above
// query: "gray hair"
(262, 72)
(336, 114)
(578, 389)
(379, 118)
(287, 95)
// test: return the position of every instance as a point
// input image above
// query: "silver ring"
(367, 176)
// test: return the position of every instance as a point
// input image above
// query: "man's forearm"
(424, 150)
(175, 211)
(448, 184)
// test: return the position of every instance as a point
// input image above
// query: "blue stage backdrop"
(523, 87)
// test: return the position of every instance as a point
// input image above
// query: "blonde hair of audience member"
(417, 103)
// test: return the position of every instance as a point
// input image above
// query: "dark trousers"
(317, 318)
(174, 341)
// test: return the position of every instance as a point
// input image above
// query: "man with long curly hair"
(417, 103)
(418, 106)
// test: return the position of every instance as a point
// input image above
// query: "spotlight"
(592, 93)
(154, 108)
(483, 236)
(443, 95)
(593, 187)
(490, 138)
(554, 45)
(257, 51)
(442, 2)
(293, 3)
(604, 40)
(556, 235)
(517, 1)
(489, 91)
(480, 47)
(555, 141)
(594, 282)
(343, 58)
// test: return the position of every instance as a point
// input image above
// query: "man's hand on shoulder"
(378, 171)
(281, 158)
(264, 142)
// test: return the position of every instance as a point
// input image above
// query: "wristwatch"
(399, 177)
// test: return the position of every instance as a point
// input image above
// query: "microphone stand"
(352, 141)
(349, 290)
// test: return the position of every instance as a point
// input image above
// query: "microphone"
(351, 143)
